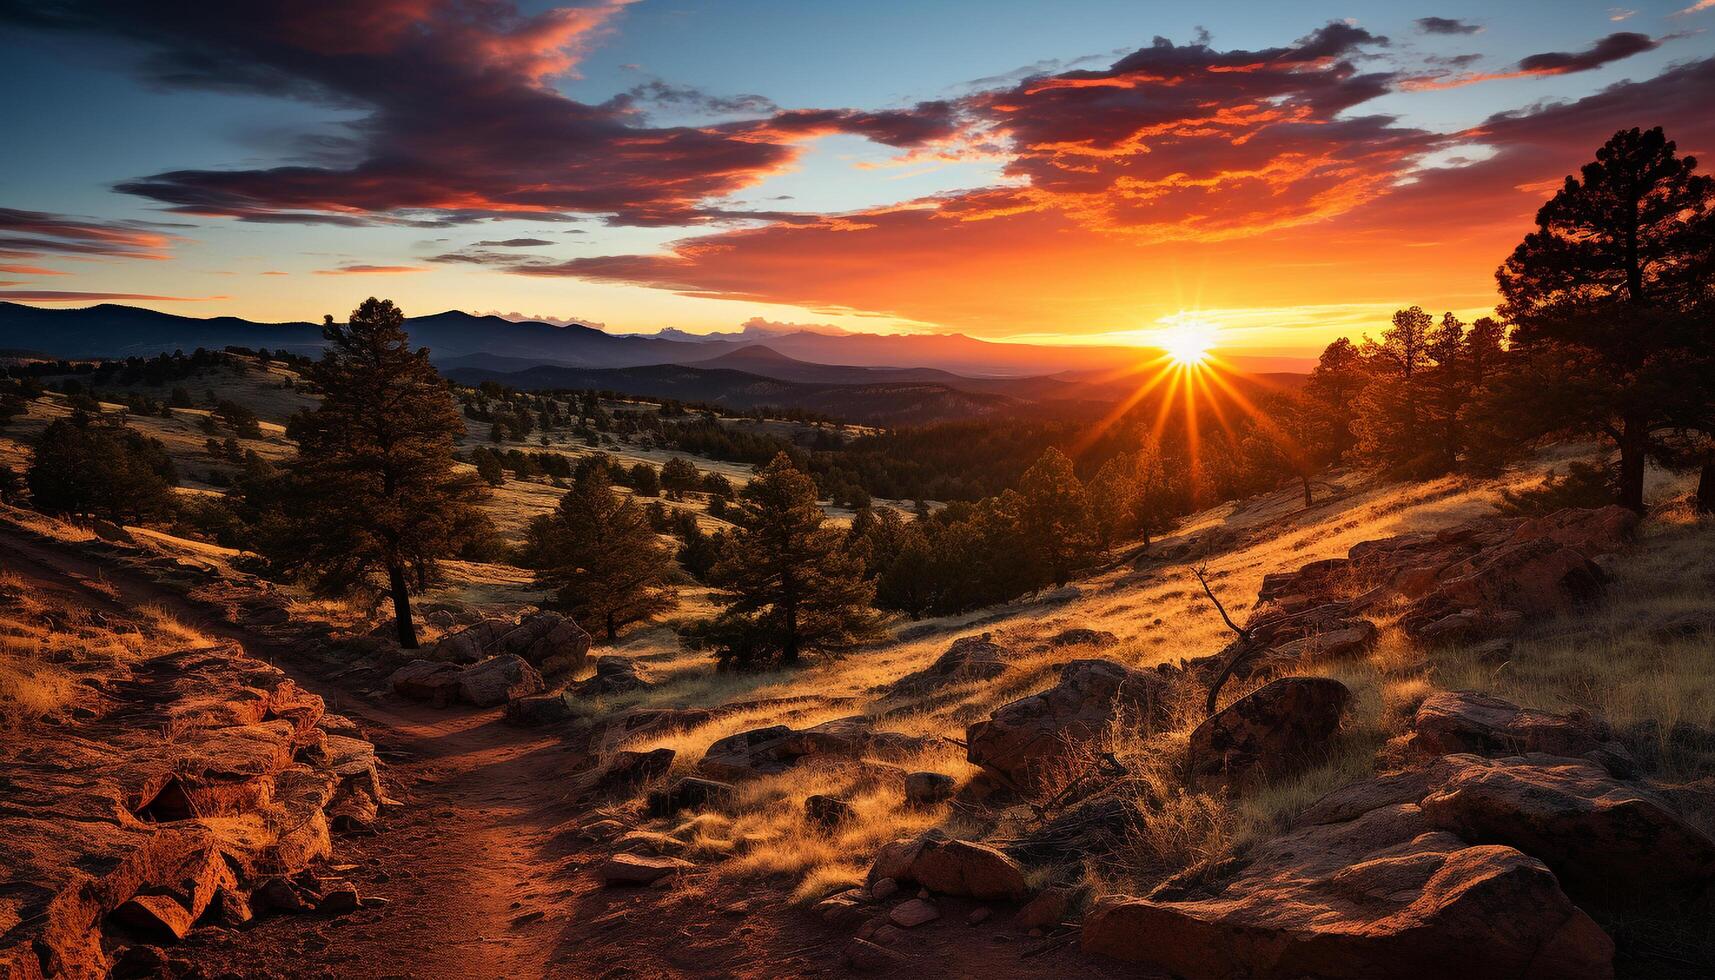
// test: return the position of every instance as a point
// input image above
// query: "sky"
(1082, 172)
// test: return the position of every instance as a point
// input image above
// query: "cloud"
(558, 321)
(685, 98)
(458, 122)
(1446, 25)
(1147, 187)
(1614, 47)
(1697, 7)
(40, 234)
(369, 270)
(66, 296)
(514, 243)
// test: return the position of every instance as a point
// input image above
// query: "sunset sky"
(1088, 172)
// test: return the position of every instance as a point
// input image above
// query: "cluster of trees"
(88, 466)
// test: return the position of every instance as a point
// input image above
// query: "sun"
(1187, 342)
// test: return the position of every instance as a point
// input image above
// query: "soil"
(482, 867)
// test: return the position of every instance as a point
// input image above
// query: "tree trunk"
(1633, 439)
(1706, 485)
(402, 608)
(1307, 500)
(612, 631)
(789, 648)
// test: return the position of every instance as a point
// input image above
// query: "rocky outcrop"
(970, 658)
(777, 748)
(498, 680)
(1024, 740)
(1602, 837)
(613, 675)
(628, 771)
(1269, 731)
(427, 680)
(1450, 722)
(204, 773)
(547, 641)
(951, 867)
(1478, 580)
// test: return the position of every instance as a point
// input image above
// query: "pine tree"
(1390, 425)
(1610, 300)
(373, 490)
(598, 553)
(1053, 518)
(788, 586)
(1334, 385)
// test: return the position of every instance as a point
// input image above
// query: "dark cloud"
(685, 98)
(459, 122)
(1621, 44)
(1446, 25)
(514, 243)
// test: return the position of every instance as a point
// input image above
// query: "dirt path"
(463, 862)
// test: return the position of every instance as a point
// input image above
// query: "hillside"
(758, 859)
(881, 402)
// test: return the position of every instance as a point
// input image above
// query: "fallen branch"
(1243, 648)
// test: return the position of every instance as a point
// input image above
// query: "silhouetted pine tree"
(373, 491)
(1610, 299)
(1390, 422)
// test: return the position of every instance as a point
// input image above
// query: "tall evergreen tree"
(373, 492)
(600, 556)
(1339, 376)
(1390, 418)
(788, 585)
(1610, 300)
(1053, 517)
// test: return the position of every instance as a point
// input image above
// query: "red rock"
(1270, 730)
(913, 913)
(951, 867)
(639, 869)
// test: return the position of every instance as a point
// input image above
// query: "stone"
(1270, 730)
(1381, 895)
(951, 867)
(548, 641)
(1452, 722)
(883, 889)
(690, 793)
(1049, 908)
(777, 748)
(426, 680)
(613, 675)
(913, 913)
(629, 770)
(1023, 740)
(925, 789)
(639, 869)
(339, 898)
(1353, 638)
(828, 812)
(534, 710)
(867, 957)
(498, 680)
(759, 752)
(1602, 837)
(969, 658)
(979, 915)
(472, 643)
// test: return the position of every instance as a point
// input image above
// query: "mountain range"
(861, 377)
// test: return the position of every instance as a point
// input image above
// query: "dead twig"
(1242, 648)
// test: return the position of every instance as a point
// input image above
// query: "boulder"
(1350, 638)
(970, 658)
(426, 680)
(1049, 908)
(828, 812)
(690, 793)
(924, 789)
(1452, 722)
(1376, 903)
(913, 913)
(1270, 730)
(548, 708)
(951, 867)
(639, 869)
(1602, 837)
(497, 681)
(1595, 531)
(613, 675)
(758, 752)
(629, 770)
(867, 957)
(472, 643)
(1023, 740)
(548, 641)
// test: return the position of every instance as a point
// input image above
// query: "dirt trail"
(463, 861)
